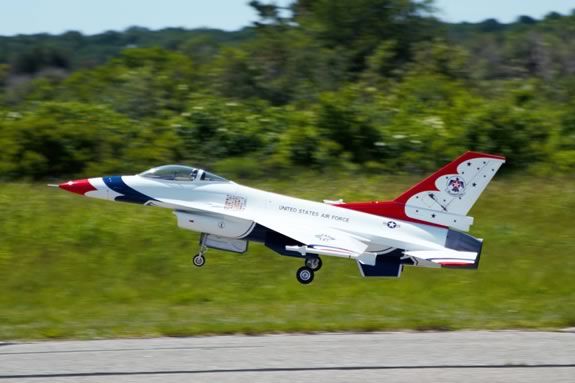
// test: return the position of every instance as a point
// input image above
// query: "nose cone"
(78, 186)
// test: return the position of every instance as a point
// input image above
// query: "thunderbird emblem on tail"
(423, 227)
(455, 186)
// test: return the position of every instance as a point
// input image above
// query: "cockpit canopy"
(181, 173)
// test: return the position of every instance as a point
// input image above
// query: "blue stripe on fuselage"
(117, 184)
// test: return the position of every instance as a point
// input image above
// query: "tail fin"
(445, 197)
(452, 190)
(455, 187)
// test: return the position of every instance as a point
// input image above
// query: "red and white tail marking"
(445, 197)
(456, 186)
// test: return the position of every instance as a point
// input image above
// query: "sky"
(503, 10)
(95, 16)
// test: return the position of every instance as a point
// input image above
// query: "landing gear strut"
(313, 263)
(199, 260)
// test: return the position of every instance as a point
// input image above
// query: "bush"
(63, 139)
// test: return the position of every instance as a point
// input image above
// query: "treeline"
(369, 85)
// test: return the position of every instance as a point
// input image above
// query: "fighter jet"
(423, 227)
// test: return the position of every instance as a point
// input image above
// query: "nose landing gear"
(199, 259)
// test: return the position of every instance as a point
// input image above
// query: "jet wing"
(320, 240)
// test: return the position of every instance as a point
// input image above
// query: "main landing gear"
(305, 274)
(313, 263)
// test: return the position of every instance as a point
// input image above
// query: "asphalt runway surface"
(467, 356)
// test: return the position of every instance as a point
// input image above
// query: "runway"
(470, 356)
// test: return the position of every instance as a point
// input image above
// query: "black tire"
(314, 263)
(199, 260)
(304, 275)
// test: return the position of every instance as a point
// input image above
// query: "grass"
(72, 267)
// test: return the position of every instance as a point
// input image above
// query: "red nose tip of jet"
(78, 186)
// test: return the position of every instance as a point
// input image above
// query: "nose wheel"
(199, 260)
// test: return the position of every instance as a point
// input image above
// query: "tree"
(527, 20)
(359, 29)
(339, 121)
(553, 16)
(518, 133)
(490, 25)
(38, 58)
(141, 82)
(4, 70)
(64, 139)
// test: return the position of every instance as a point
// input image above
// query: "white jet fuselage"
(252, 205)
(415, 229)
